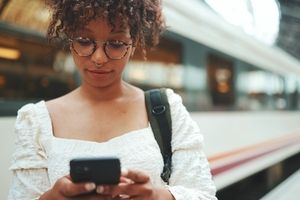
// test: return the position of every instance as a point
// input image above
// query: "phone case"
(102, 170)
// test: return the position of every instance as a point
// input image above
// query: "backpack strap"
(158, 110)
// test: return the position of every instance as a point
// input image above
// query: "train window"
(264, 90)
(168, 51)
(30, 74)
(292, 92)
(163, 67)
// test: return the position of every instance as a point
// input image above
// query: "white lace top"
(41, 158)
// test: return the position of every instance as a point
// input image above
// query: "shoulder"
(58, 105)
(59, 101)
(186, 132)
(173, 97)
(32, 121)
(30, 112)
(175, 102)
(134, 92)
(28, 130)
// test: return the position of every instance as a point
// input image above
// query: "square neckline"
(49, 128)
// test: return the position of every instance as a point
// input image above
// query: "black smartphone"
(100, 170)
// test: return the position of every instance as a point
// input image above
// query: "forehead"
(102, 26)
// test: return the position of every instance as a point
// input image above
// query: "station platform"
(287, 190)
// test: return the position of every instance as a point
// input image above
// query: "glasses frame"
(95, 43)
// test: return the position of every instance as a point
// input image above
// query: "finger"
(70, 189)
(135, 190)
(115, 191)
(124, 171)
(126, 180)
(132, 182)
(136, 176)
(112, 190)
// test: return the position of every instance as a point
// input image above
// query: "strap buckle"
(158, 110)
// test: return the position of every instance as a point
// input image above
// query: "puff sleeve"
(29, 161)
(191, 178)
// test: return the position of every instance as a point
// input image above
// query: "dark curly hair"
(144, 18)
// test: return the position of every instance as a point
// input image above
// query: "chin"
(100, 84)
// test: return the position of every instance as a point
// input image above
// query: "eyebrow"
(117, 31)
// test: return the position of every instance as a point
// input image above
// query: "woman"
(106, 115)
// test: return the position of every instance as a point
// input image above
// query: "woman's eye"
(84, 42)
(116, 44)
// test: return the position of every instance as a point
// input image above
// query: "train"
(243, 94)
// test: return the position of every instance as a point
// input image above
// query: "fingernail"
(124, 171)
(100, 189)
(90, 186)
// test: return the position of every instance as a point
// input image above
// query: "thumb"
(135, 175)
(70, 189)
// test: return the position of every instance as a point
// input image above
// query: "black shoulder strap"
(158, 110)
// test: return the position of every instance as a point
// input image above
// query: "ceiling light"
(8, 53)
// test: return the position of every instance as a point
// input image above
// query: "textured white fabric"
(41, 158)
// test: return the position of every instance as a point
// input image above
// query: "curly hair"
(143, 17)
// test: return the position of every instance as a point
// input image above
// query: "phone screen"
(100, 170)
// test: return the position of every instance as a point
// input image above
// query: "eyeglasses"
(114, 49)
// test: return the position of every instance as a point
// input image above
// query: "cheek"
(125, 62)
(79, 61)
(120, 64)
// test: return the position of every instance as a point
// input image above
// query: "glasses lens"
(83, 46)
(116, 49)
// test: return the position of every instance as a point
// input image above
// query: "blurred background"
(236, 64)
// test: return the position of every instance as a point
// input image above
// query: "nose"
(99, 56)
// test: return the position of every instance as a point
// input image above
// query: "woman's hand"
(135, 185)
(65, 189)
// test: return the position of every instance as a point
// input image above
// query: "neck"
(109, 93)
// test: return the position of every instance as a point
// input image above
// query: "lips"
(97, 71)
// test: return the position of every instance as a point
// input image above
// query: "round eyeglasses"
(114, 49)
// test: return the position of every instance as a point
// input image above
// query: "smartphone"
(100, 170)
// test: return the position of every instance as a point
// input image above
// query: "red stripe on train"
(229, 166)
